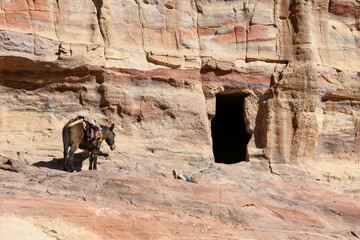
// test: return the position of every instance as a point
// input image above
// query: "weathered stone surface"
(239, 46)
(251, 108)
(130, 201)
(155, 67)
(221, 39)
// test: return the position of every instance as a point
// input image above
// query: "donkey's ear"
(112, 127)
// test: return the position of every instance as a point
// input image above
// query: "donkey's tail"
(66, 138)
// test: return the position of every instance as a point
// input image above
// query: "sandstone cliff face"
(155, 67)
(275, 81)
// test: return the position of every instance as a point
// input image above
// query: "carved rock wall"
(155, 66)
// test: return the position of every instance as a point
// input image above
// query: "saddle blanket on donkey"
(92, 129)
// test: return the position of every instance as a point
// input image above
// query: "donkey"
(74, 137)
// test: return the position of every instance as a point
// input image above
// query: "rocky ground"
(157, 69)
(125, 200)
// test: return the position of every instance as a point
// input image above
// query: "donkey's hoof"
(72, 169)
(65, 169)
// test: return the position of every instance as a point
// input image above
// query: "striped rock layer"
(157, 68)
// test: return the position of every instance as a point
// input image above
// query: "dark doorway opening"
(228, 129)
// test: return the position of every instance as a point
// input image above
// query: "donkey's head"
(109, 136)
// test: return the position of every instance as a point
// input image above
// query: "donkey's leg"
(66, 162)
(66, 158)
(90, 159)
(95, 153)
(66, 146)
(71, 158)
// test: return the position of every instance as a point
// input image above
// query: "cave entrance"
(228, 129)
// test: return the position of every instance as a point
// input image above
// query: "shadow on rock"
(57, 163)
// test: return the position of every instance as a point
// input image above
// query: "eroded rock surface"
(145, 65)
(132, 202)
(155, 69)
